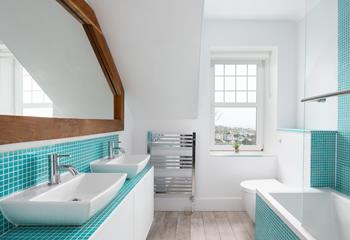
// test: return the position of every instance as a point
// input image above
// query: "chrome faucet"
(112, 148)
(55, 167)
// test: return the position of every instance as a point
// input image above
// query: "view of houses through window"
(230, 128)
(235, 104)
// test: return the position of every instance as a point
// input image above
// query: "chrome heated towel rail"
(173, 157)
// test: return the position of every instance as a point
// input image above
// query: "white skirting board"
(172, 204)
(219, 204)
(199, 204)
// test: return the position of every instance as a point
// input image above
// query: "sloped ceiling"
(156, 46)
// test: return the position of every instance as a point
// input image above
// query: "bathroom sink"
(130, 164)
(71, 202)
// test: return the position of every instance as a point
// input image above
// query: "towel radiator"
(173, 157)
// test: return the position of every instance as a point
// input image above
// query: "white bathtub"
(315, 214)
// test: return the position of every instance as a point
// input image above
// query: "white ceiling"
(255, 9)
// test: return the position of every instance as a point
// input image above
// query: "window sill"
(215, 153)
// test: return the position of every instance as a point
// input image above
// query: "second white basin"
(130, 164)
(69, 203)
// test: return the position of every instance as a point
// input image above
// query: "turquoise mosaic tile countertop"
(74, 232)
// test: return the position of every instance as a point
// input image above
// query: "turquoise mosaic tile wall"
(28, 167)
(323, 154)
(322, 164)
(268, 226)
(343, 149)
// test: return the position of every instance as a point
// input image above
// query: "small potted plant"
(236, 146)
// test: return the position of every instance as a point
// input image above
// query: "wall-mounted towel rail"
(173, 157)
(173, 185)
(323, 97)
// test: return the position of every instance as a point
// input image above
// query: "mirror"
(48, 67)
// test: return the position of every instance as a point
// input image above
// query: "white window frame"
(5, 53)
(259, 104)
(23, 105)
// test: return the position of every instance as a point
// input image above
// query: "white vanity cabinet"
(132, 219)
(144, 206)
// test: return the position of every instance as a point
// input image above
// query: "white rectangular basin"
(72, 202)
(130, 164)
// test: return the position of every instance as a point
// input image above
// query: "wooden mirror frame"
(15, 129)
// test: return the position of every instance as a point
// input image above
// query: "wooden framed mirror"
(15, 128)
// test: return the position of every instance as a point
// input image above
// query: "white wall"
(126, 136)
(290, 152)
(318, 39)
(294, 157)
(139, 35)
(253, 9)
(218, 177)
(279, 34)
(301, 61)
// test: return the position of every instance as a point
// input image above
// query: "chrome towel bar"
(323, 97)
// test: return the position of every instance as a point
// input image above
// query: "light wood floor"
(201, 226)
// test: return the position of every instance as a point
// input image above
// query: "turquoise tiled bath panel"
(343, 149)
(268, 226)
(79, 232)
(28, 167)
(323, 153)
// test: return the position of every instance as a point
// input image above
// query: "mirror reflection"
(47, 65)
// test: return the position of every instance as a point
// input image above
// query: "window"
(237, 105)
(35, 101)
